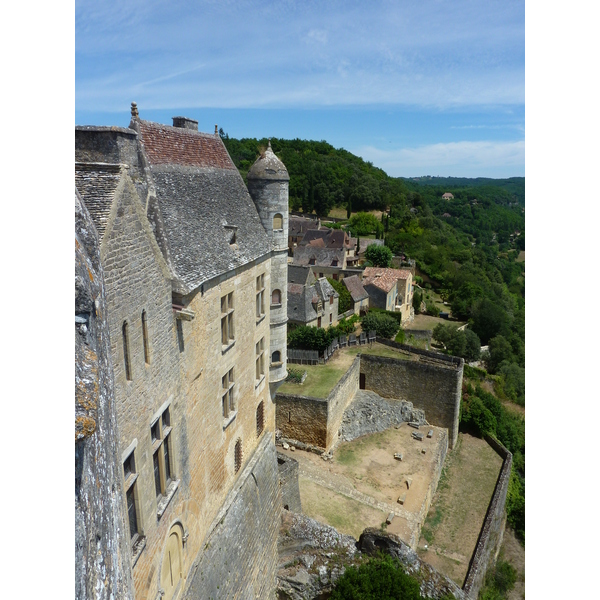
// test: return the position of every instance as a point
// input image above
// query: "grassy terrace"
(321, 379)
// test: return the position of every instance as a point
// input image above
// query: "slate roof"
(303, 299)
(355, 287)
(300, 225)
(300, 274)
(332, 238)
(366, 242)
(204, 204)
(268, 166)
(324, 257)
(384, 279)
(97, 182)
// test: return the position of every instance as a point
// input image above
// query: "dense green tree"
(379, 256)
(384, 324)
(363, 223)
(417, 299)
(499, 351)
(345, 301)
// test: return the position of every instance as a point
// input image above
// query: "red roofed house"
(390, 289)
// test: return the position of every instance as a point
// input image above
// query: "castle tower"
(268, 184)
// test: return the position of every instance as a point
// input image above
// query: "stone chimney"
(185, 123)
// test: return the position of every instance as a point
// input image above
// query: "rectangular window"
(161, 453)
(130, 493)
(228, 393)
(260, 296)
(227, 333)
(260, 359)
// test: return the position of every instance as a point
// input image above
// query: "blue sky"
(430, 87)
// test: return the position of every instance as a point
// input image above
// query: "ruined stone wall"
(102, 550)
(288, 482)
(239, 557)
(339, 399)
(432, 388)
(302, 418)
(492, 530)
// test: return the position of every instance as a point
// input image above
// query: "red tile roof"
(384, 279)
(175, 145)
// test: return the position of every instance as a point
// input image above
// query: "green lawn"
(320, 380)
(376, 350)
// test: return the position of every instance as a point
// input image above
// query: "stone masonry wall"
(339, 399)
(137, 280)
(102, 549)
(492, 530)
(239, 558)
(288, 482)
(302, 418)
(434, 389)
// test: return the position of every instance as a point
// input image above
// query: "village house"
(298, 227)
(360, 297)
(311, 301)
(195, 266)
(390, 289)
(447, 196)
(332, 249)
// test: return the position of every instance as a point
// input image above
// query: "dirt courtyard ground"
(361, 485)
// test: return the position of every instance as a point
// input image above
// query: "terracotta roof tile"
(166, 145)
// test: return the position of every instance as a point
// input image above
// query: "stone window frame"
(276, 360)
(260, 298)
(227, 322)
(260, 418)
(277, 220)
(228, 397)
(130, 477)
(145, 338)
(238, 455)
(161, 438)
(260, 361)
(276, 298)
(126, 351)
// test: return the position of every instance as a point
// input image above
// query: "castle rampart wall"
(288, 482)
(490, 536)
(239, 557)
(434, 388)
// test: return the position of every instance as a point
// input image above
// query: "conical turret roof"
(268, 166)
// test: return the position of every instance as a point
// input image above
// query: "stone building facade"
(196, 287)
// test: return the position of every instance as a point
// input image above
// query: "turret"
(268, 184)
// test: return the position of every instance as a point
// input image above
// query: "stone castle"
(181, 313)
(194, 270)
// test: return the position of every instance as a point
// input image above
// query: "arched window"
(126, 351)
(238, 455)
(276, 357)
(278, 221)
(260, 418)
(172, 568)
(276, 297)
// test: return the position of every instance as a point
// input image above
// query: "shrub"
(379, 256)
(384, 324)
(345, 300)
(381, 577)
(432, 309)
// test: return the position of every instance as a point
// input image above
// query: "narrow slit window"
(145, 337)
(126, 351)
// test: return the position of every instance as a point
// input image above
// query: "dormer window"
(231, 232)
(312, 261)
(334, 262)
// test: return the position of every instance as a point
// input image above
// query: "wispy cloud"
(466, 159)
(292, 53)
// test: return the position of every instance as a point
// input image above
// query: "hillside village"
(266, 397)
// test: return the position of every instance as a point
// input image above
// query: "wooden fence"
(314, 357)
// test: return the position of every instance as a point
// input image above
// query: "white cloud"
(459, 159)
